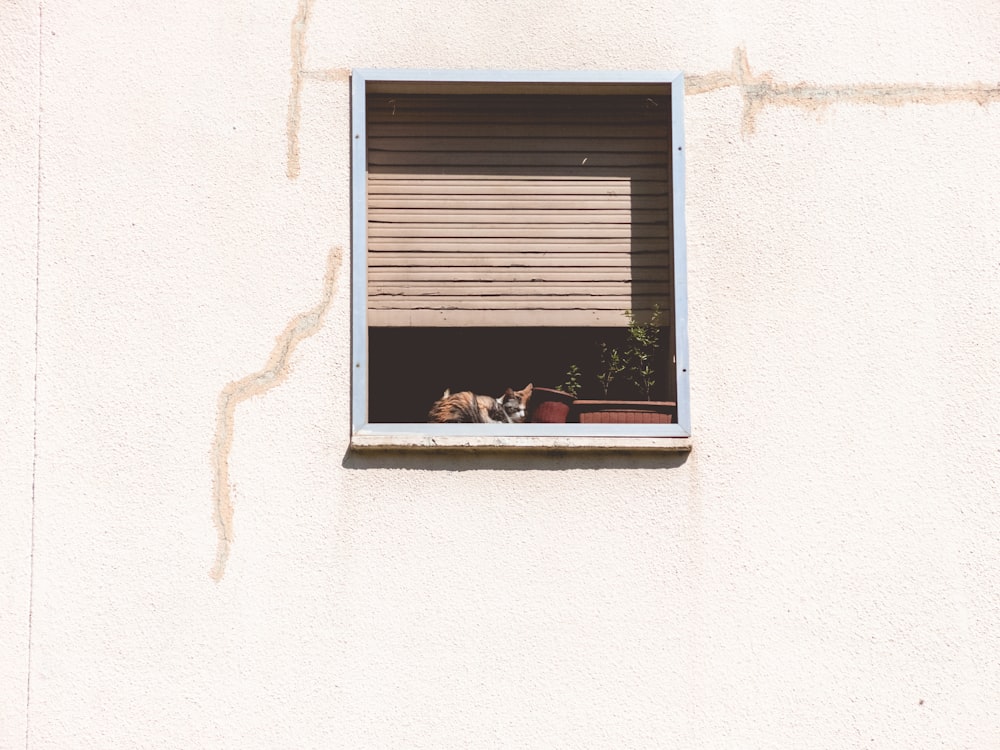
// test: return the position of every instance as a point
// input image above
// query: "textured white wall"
(18, 230)
(823, 570)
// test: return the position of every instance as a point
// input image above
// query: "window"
(505, 224)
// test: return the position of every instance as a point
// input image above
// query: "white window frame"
(674, 436)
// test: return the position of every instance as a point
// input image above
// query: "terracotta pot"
(549, 405)
(624, 412)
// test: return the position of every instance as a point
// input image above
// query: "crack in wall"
(274, 372)
(299, 25)
(762, 90)
(328, 75)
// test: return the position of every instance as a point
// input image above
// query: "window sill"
(366, 442)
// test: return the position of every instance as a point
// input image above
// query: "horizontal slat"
(579, 231)
(577, 318)
(548, 88)
(575, 288)
(528, 109)
(553, 144)
(399, 128)
(519, 244)
(520, 110)
(431, 119)
(500, 274)
(523, 302)
(494, 99)
(418, 200)
(524, 203)
(524, 171)
(526, 216)
(386, 181)
(417, 196)
(623, 260)
(568, 159)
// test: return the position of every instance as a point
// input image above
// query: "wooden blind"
(517, 209)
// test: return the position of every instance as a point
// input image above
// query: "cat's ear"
(447, 392)
(508, 392)
(527, 388)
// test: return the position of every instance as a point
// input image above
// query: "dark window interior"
(411, 367)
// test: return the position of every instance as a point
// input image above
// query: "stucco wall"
(823, 570)
(18, 240)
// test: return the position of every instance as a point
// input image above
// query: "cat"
(466, 406)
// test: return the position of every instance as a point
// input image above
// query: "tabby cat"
(466, 406)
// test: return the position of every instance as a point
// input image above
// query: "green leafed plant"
(634, 362)
(612, 365)
(572, 383)
(640, 350)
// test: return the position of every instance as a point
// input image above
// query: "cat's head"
(515, 403)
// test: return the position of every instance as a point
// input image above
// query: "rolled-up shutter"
(517, 209)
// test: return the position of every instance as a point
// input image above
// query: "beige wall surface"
(822, 570)
(18, 245)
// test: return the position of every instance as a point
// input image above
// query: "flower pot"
(549, 405)
(623, 412)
